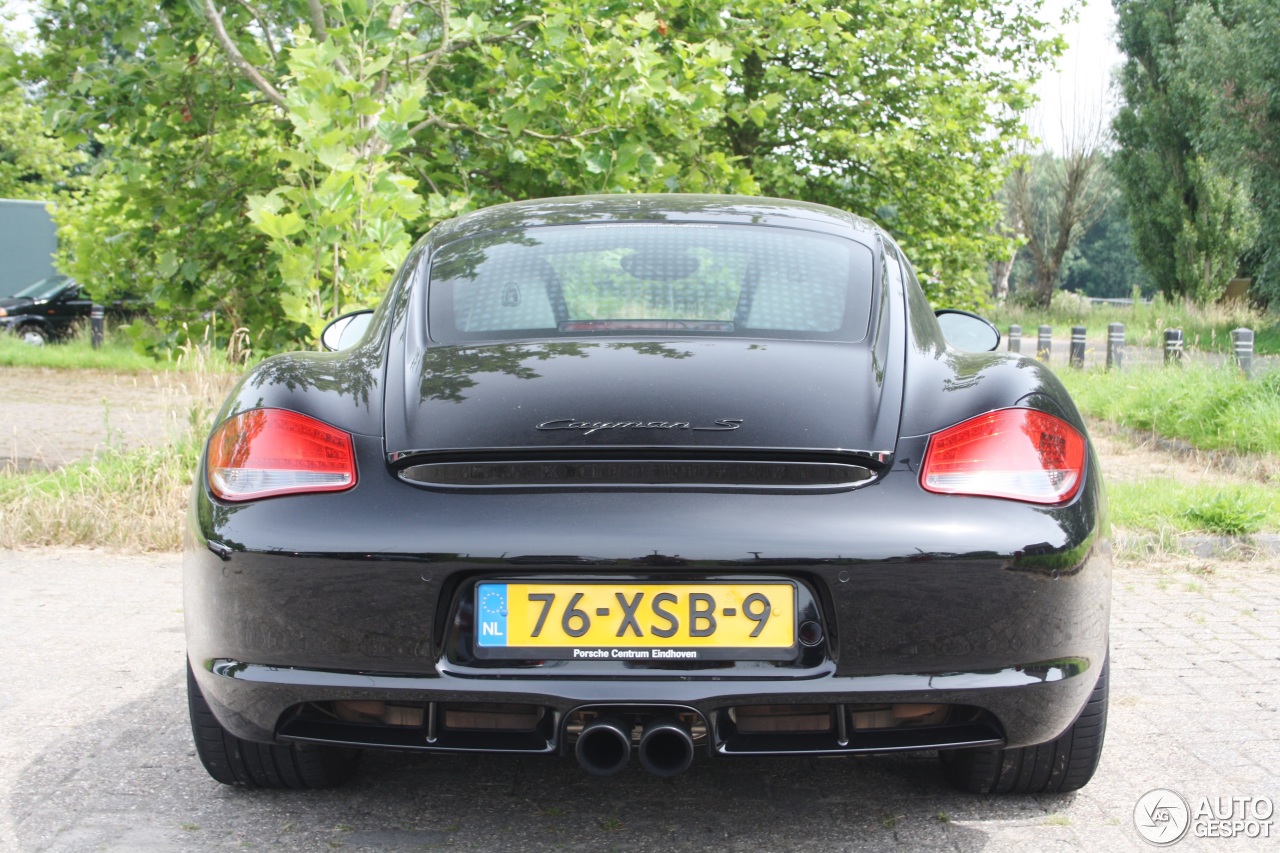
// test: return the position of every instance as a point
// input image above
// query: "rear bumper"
(988, 604)
(1027, 704)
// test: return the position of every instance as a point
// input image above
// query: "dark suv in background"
(50, 308)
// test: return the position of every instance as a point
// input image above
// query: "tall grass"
(116, 354)
(134, 500)
(1212, 408)
(1204, 327)
(122, 499)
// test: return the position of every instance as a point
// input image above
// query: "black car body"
(51, 308)
(689, 475)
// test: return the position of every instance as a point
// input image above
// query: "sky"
(1078, 93)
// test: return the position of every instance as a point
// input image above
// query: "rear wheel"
(233, 761)
(1064, 764)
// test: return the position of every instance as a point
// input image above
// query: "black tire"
(1064, 764)
(233, 761)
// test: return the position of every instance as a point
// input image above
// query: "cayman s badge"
(588, 427)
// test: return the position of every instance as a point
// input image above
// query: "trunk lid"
(623, 395)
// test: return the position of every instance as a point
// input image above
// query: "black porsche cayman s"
(690, 477)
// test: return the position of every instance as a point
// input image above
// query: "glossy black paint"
(784, 394)
(922, 598)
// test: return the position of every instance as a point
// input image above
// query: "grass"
(1212, 408)
(133, 500)
(1171, 507)
(1204, 327)
(117, 354)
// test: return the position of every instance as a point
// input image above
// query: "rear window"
(650, 278)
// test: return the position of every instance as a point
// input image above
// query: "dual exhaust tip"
(665, 748)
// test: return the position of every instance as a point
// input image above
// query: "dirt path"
(1128, 456)
(52, 417)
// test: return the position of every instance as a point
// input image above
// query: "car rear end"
(674, 529)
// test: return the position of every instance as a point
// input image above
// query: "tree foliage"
(904, 111)
(33, 163)
(1103, 263)
(269, 162)
(182, 142)
(1198, 159)
(1230, 59)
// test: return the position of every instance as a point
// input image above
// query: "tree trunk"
(1000, 272)
(1045, 282)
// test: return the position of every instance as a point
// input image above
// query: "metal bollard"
(1076, 358)
(1173, 346)
(1115, 346)
(1045, 345)
(95, 322)
(1015, 338)
(1242, 347)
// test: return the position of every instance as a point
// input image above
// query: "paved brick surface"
(95, 751)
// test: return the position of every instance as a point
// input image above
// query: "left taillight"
(266, 452)
(1020, 454)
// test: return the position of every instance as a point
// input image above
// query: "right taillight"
(1021, 454)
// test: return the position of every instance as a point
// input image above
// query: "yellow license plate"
(639, 622)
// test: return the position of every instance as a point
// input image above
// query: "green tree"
(342, 220)
(182, 141)
(341, 129)
(338, 130)
(905, 111)
(1103, 263)
(34, 164)
(1229, 59)
(1189, 203)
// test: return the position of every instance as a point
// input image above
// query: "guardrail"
(1120, 300)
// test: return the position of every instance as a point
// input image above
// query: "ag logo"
(1161, 816)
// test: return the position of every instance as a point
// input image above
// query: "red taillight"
(1011, 453)
(265, 452)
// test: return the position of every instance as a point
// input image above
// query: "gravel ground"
(52, 417)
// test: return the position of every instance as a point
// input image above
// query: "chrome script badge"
(589, 427)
